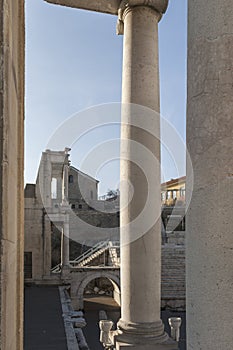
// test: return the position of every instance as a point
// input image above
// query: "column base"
(168, 345)
(65, 271)
(144, 336)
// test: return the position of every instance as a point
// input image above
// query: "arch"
(113, 278)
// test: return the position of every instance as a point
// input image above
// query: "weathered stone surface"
(11, 172)
(210, 143)
(140, 325)
(109, 6)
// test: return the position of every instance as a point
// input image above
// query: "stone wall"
(11, 177)
(94, 227)
(37, 238)
(81, 186)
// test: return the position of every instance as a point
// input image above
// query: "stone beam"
(110, 6)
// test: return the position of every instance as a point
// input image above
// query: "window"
(80, 206)
(27, 264)
(72, 206)
(71, 179)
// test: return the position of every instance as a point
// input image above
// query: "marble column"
(46, 223)
(59, 189)
(210, 143)
(45, 178)
(65, 179)
(65, 251)
(140, 326)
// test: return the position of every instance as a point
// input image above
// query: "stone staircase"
(90, 255)
(173, 277)
(96, 251)
(114, 253)
(93, 253)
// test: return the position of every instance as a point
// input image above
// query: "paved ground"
(44, 328)
(92, 306)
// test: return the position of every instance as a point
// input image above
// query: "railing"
(90, 251)
(98, 248)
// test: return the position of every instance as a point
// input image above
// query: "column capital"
(159, 6)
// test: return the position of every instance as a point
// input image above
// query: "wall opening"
(101, 294)
(54, 188)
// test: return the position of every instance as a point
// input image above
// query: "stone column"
(140, 326)
(60, 189)
(46, 228)
(210, 143)
(45, 178)
(65, 251)
(65, 180)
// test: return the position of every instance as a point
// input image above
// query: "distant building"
(173, 192)
(173, 210)
(46, 205)
(82, 188)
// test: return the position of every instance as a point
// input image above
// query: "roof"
(84, 174)
(174, 182)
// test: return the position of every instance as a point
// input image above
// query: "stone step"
(173, 264)
(173, 280)
(171, 271)
(173, 287)
(172, 291)
(173, 258)
(172, 295)
(173, 267)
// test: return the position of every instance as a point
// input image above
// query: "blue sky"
(74, 61)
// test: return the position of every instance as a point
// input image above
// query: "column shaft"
(140, 268)
(65, 245)
(65, 183)
(209, 139)
(140, 83)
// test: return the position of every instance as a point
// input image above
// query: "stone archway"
(78, 290)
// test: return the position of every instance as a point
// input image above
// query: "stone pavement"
(44, 329)
(92, 307)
